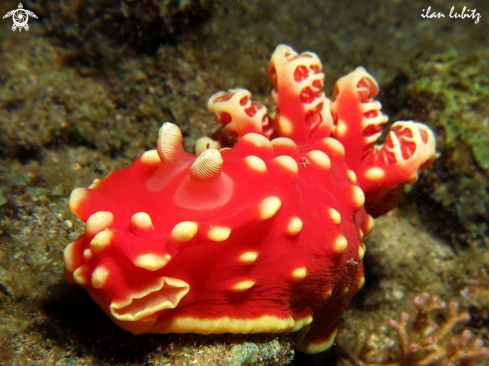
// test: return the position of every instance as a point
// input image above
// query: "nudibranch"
(265, 236)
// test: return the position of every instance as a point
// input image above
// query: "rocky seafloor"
(78, 101)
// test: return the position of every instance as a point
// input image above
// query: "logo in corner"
(20, 17)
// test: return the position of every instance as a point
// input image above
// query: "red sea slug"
(262, 237)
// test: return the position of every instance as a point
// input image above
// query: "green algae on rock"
(455, 90)
(93, 30)
(44, 104)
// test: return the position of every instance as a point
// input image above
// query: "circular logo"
(20, 18)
